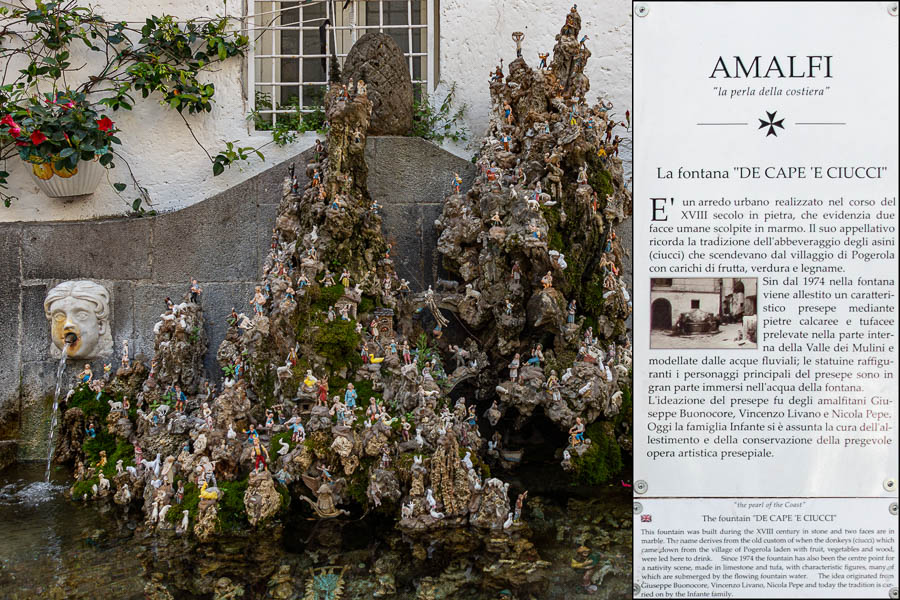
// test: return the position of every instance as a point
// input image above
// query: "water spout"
(59, 379)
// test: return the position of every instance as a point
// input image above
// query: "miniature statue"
(180, 398)
(514, 368)
(90, 430)
(588, 561)
(507, 113)
(251, 433)
(509, 307)
(547, 280)
(543, 56)
(407, 357)
(361, 89)
(457, 182)
(126, 363)
(298, 432)
(86, 374)
(582, 175)
(258, 301)
(515, 272)
(576, 433)
(537, 355)
(261, 455)
(319, 150)
(350, 396)
(517, 37)
(195, 291)
(321, 392)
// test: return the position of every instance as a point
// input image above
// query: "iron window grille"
(291, 54)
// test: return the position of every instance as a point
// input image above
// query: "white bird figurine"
(508, 522)
(467, 460)
(432, 503)
(285, 448)
(231, 432)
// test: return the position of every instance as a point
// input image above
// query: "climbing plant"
(439, 122)
(68, 70)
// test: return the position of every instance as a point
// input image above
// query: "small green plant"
(604, 458)
(232, 514)
(285, 127)
(439, 122)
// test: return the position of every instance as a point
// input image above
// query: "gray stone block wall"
(221, 241)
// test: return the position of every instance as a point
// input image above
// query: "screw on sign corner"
(892, 508)
(894, 593)
(641, 9)
(892, 8)
(640, 486)
(890, 485)
(638, 508)
(637, 590)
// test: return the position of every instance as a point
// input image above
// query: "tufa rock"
(376, 59)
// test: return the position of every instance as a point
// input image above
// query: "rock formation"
(338, 397)
(376, 59)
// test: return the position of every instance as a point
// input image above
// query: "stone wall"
(221, 241)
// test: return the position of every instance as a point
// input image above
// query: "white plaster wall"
(177, 173)
(475, 34)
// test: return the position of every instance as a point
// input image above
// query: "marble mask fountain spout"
(79, 319)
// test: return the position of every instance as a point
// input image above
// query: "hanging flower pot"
(79, 180)
(63, 139)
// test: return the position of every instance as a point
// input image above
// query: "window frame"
(258, 23)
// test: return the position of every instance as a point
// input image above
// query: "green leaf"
(120, 187)
(136, 205)
(65, 152)
(218, 169)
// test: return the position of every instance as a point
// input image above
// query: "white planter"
(84, 181)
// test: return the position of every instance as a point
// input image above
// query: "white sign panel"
(765, 261)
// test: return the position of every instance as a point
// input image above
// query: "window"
(695, 304)
(291, 50)
(662, 283)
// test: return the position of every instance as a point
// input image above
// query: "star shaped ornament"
(771, 123)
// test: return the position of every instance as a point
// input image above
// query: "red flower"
(104, 124)
(14, 129)
(69, 104)
(37, 137)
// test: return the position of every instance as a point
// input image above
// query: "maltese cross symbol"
(771, 123)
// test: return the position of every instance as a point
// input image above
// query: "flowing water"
(57, 549)
(60, 370)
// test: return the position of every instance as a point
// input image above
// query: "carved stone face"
(79, 314)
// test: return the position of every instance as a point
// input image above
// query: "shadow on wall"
(221, 241)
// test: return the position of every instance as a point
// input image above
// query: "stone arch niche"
(661, 314)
